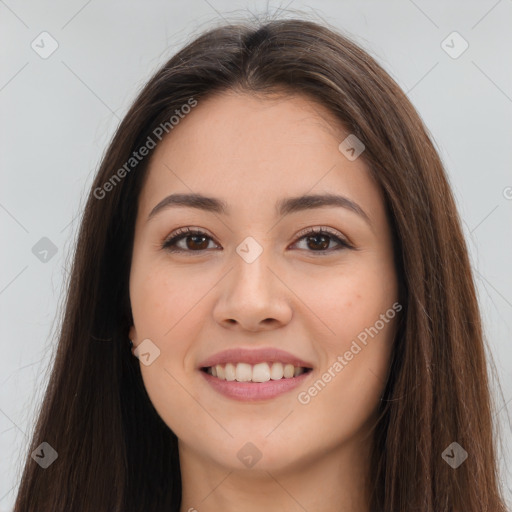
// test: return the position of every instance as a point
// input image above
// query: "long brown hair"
(115, 453)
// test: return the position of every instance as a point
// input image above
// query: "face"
(301, 294)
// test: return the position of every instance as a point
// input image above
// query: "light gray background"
(59, 113)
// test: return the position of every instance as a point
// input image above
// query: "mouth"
(246, 382)
(255, 373)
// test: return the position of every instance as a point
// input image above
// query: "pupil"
(325, 243)
(192, 246)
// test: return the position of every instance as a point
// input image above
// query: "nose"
(252, 297)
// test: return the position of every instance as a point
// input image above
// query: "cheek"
(160, 298)
(348, 388)
(357, 307)
(345, 301)
(163, 310)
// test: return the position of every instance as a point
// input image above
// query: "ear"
(132, 334)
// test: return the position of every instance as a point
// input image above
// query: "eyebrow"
(283, 206)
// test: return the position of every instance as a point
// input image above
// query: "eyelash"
(182, 233)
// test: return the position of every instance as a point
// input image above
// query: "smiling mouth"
(257, 373)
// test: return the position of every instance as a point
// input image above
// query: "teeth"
(276, 372)
(261, 372)
(288, 371)
(243, 372)
(230, 371)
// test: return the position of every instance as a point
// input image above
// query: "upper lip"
(253, 356)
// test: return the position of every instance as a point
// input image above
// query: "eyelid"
(187, 230)
(321, 229)
(183, 233)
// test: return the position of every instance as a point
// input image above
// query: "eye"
(317, 240)
(195, 241)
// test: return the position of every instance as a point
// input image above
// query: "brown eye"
(318, 240)
(194, 241)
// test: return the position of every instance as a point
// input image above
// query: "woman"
(272, 233)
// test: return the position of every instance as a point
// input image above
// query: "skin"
(250, 152)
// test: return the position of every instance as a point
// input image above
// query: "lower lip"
(253, 391)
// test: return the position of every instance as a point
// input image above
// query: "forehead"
(247, 150)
